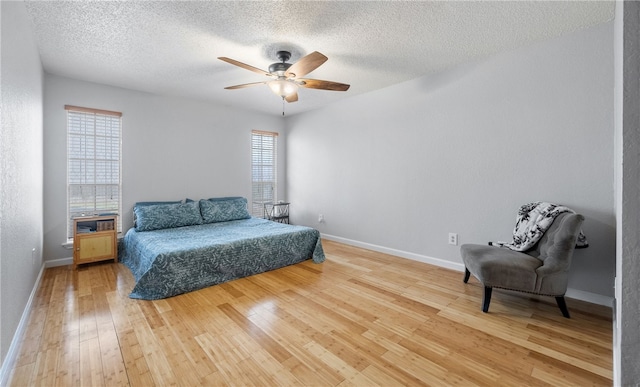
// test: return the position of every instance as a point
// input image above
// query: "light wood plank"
(68, 369)
(91, 363)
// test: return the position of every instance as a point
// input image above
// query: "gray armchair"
(542, 270)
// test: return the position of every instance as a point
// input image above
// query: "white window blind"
(263, 170)
(93, 163)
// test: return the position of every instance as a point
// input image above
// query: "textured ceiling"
(171, 47)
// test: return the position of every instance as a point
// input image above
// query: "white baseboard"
(398, 253)
(10, 359)
(571, 293)
(593, 298)
(58, 262)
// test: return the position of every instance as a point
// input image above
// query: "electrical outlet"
(320, 218)
(453, 238)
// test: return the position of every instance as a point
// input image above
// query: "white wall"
(20, 170)
(626, 338)
(172, 148)
(460, 151)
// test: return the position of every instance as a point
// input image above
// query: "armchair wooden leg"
(466, 275)
(487, 299)
(563, 306)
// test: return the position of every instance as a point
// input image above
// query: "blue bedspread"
(172, 261)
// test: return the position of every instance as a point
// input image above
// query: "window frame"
(261, 166)
(91, 144)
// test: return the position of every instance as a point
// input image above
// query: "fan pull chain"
(283, 106)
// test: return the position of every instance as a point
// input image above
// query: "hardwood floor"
(361, 318)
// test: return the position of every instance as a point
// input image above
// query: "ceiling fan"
(285, 77)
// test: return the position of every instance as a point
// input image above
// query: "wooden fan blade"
(306, 65)
(323, 85)
(291, 98)
(244, 85)
(244, 65)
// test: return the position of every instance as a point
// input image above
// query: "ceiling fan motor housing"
(275, 68)
(282, 66)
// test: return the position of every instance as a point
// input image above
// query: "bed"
(177, 247)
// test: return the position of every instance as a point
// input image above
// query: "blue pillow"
(158, 216)
(226, 198)
(224, 209)
(138, 204)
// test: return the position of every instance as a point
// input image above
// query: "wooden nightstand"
(95, 238)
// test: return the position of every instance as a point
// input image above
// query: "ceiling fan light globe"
(282, 88)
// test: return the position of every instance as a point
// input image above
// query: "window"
(263, 170)
(93, 163)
